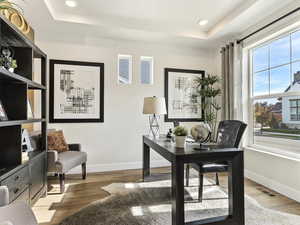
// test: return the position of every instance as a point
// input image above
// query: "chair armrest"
(75, 147)
(18, 213)
(4, 196)
(52, 157)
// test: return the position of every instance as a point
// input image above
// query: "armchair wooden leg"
(217, 179)
(83, 166)
(200, 188)
(187, 175)
(62, 182)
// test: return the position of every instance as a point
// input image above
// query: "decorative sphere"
(6, 52)
(200, 132)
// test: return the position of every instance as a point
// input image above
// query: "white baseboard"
(274, 185)
(94, 168)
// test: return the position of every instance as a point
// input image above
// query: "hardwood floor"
(79, 193)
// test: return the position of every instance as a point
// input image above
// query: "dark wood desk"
(179, 156)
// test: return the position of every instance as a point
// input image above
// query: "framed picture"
(76, 92)
(3, 115)
(184, 104)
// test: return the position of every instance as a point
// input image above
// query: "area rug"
(149, 204)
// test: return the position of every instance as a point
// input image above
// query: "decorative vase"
(180, 141)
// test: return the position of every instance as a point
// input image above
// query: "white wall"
(274, 171)
(117, 143)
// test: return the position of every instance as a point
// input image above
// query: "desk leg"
(177, 193)
(236, 189)
(146, 161)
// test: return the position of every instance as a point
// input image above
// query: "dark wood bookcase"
(26, 180)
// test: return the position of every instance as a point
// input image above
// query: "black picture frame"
(188, 71)
(53, 62)
(3, 114)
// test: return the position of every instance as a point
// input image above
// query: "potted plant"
(8, 63)
(208, 88)
(13, 66)
(180, 135)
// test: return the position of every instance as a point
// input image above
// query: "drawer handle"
(17, 178)
(16, 190)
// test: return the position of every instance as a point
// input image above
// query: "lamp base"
(154, 126)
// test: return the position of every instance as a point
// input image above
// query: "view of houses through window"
(276, 92)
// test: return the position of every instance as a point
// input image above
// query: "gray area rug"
(149, 204)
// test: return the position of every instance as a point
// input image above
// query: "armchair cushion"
(68, 160)
(57, 142)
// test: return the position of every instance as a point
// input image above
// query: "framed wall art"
(184, 104)
(76, 92)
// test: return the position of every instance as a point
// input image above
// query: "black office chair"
(229, 135)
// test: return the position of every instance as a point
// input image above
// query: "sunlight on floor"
(44, 215)
(194, 193)
(137, 211)
(166, 183)
(42, 210)
(130, 186)
(160, 208)
(167, 208)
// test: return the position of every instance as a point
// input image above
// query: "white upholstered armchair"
(18, 213)
(61, 163)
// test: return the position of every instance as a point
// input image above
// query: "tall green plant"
(206, 87)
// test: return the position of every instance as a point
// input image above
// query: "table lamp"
(154, 106)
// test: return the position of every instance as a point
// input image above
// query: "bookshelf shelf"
(8, 76)
(20, 122)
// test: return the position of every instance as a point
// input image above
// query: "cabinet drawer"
(17, 183)
(23, 197)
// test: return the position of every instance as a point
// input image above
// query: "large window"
(275, 95)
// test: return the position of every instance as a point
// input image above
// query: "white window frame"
(151, 60)
(251, 98)
(129, 58)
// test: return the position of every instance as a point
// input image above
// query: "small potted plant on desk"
(180, 135)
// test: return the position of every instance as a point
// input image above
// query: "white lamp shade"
(154, 105)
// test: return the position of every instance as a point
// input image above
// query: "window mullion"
(269, 62)
(291, 68)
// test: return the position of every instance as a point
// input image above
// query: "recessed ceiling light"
(203, 22)
(71, 3)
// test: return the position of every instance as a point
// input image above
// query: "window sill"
(285, 154)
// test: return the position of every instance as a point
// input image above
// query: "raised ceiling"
(154, 20)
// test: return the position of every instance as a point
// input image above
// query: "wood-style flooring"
(80, 193)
